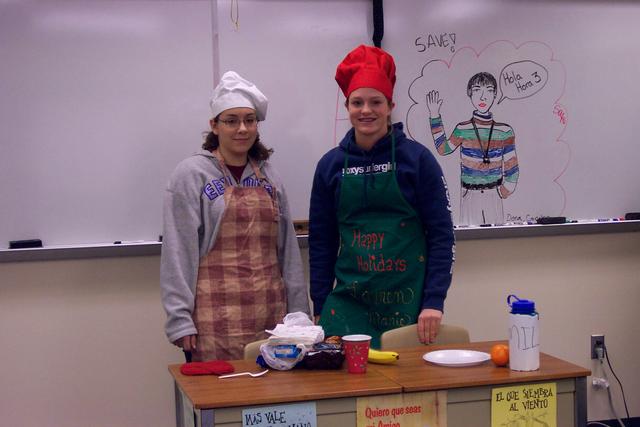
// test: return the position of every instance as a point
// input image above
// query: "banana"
(383, 357)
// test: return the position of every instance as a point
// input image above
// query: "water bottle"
(524, 335)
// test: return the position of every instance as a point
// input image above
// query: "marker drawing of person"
(488, 162)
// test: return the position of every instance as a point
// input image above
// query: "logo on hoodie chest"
(215, 188)
(377, 168)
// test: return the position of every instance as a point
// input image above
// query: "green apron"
(381, 264)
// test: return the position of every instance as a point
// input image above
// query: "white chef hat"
(233, 91)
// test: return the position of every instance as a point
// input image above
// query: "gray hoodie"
(193, 208)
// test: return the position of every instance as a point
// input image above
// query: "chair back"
(252, 350)
(407, 336)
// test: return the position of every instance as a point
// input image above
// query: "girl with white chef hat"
(230, 265)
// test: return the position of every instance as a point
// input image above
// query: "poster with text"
(524, 405)
(403, 410)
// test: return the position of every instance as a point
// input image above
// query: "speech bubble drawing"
(522, 79)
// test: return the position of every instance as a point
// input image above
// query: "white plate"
(456, 358)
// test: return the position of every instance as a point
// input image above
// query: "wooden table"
(209, 401)
(471, 386)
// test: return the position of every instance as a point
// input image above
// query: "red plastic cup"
(356, 351)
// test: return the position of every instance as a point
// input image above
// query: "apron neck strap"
(256, 169)
(225, 170)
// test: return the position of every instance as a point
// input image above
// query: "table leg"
(581, 402)
(205, 418)
(185, 416)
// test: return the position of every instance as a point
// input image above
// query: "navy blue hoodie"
(422, 184)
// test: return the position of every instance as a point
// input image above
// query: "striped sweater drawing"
(487, 154)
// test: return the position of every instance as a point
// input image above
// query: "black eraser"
(117, 242)
(25, 244)
(632, 215)
(552, 220)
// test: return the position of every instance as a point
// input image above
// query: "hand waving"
(434, 102)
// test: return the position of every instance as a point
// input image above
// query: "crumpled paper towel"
(296, 328)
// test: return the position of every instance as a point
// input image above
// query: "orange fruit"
(500, 354)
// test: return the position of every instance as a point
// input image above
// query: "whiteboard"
(575, 129)
(101, 99)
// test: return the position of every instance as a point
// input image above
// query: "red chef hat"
(367, 66)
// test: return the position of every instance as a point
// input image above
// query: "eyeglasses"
(234, 122)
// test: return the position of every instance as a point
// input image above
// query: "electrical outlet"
(596, 341)
(600, 382)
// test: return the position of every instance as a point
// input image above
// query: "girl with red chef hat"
(230, 265)
(380, 221)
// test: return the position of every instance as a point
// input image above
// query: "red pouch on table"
(210, 367)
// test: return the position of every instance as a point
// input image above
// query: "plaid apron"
(240, 291)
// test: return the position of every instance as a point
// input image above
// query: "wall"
(83, 344)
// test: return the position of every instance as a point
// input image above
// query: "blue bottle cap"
(521, 306)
